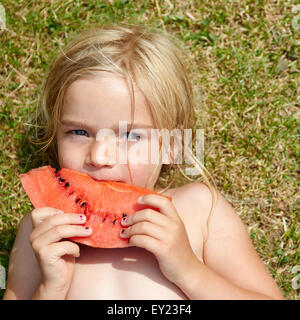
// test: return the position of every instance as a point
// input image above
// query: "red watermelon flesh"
(102, 202)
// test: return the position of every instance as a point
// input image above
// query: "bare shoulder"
(228, 249)
(216, 212)
(23, 271)
(196, 191)
(197, 196)
(193, 202)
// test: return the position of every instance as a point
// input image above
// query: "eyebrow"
(85, 125)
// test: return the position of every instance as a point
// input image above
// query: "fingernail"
(82, 217)
(140, 200)
(124, 220)
(122, 232)
(88, 229)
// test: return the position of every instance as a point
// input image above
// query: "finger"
(40, 214)
(146, 242)
(56, 250)
(165, 206)
(60, 232)
(146, 215)
(144, 228)
(53, 221)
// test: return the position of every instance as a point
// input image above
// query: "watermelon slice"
(104, 203)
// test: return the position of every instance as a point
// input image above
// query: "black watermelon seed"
(62, 179)
(124, 215)
(114, 221)
(77, 200)
(56, 171)
(103, 219)
(83, 204)
(67, 185)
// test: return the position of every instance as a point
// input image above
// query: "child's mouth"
(108, 180)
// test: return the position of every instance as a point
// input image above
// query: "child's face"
(99, 103)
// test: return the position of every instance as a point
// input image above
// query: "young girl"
(196, 248)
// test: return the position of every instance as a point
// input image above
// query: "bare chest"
(120, 274)
(130, 273)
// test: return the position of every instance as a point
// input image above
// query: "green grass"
(244, 65)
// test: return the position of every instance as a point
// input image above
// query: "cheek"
(69, 157)
(143, 152)
(141, 174)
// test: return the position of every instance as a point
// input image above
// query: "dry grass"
(244, 64)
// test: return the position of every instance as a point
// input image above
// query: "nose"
(103, 152)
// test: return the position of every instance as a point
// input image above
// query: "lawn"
(244, 63)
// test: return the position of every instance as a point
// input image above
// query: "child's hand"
(163, 234)
(49, 227)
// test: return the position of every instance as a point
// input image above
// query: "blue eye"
(129, 135)
(80, 132)
(132, 136)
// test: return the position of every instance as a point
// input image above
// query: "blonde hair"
(152, 60)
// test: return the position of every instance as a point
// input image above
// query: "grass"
(244, 65)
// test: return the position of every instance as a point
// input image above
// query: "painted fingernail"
(82, 217)
(124, 220)
(122, 232)
(88, 229)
